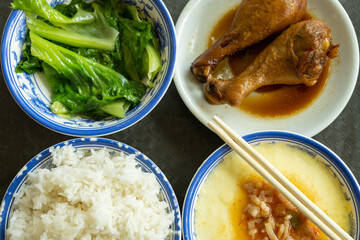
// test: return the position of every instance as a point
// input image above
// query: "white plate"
(193, 30)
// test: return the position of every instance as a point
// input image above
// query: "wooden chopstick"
(279, 181)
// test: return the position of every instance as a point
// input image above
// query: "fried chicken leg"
(254, 21)
(297, 56)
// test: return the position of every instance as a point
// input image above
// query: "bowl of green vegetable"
(88, 68)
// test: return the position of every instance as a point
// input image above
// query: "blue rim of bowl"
(210, 163)
(5, 65)
(80, 143)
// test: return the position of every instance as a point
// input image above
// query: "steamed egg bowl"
(227, 199)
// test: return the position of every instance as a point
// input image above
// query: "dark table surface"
(170, 135)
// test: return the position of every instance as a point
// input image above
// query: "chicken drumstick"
(254, 21)
(297, 56)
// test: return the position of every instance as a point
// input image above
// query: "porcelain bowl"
(203, 15)
(33, 94)
(317, 151)
(44, 160)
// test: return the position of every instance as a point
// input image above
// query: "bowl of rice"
(90, 188)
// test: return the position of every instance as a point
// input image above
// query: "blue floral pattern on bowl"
(32, 92)
(318, 151)
(44, 160)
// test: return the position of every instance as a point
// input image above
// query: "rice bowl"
(94, 192)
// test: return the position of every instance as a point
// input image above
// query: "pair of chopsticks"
(279, 181)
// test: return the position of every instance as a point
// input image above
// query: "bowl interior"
(318, 151)
(33, 93)
(203, 15)
(44, 160)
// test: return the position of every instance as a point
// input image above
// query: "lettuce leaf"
(43, 9)
(151, 60)
(28, 63)
(97, 34)
(152, 64)
(81, 84)
(70, 9)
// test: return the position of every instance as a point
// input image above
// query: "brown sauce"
(269, 101)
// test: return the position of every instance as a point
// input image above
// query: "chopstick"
(279, 181)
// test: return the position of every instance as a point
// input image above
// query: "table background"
(170, 135)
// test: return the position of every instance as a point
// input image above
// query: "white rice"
(90, 196)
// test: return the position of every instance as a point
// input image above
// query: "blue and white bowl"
(44, 160)
(33, 94)
(317, 150)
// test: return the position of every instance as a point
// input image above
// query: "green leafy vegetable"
(43, 9)
(28, 63)
(80, 84)
(96, 34)
(134, 13)
(295, 220)
(134, 36)
(70, 9)
(59, 108)
(96, 56)
(116, 108)
(151, 64)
